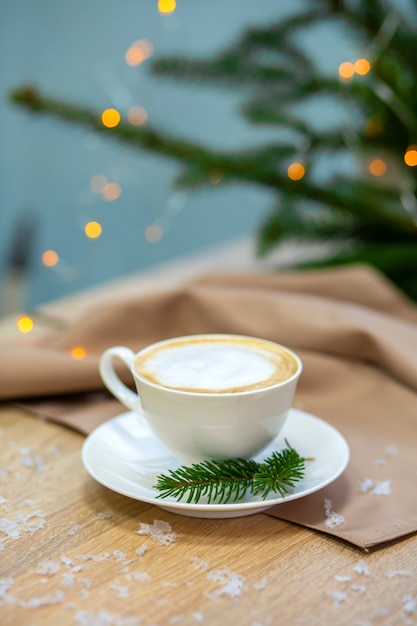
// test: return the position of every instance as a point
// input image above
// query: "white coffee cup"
(211, 396)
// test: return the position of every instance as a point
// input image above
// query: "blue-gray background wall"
(76, 51)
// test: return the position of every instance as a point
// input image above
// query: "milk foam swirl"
(216, 364)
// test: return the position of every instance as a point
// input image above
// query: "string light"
(93, 230)
(78, 353)
(153, 233)
(137, 115)
(111, 191)
(166, 6)
(346, 70)
(138, 52)
(362, 67)
(134, 56)
(25, 324)
(296, 171)
(377, 167)
(110, 118)
(50, 258)
(410, 156)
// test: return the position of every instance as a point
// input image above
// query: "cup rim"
(218, 394)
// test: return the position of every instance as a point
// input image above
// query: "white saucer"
(123, 455)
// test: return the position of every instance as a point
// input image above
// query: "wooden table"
(71, 554)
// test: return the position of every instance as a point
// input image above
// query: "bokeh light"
(134, 56)
(25, 324)
(410, 156)
(377, 167)
(138, 52)
(153, 233)
(93, 230)
(296, 171)
(362, 67)
(78, 353)
(50, 258)
(346, 70)
(166, 6)
(137, 115)
(111, 191)
(110, 118)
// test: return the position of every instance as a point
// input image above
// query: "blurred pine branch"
(371, 218)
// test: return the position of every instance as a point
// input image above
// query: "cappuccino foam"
(216, 364)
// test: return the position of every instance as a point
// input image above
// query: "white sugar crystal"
(360, 588)
(104, 618)
(66, 561)
(11, 529)
(342, 579)
(67, 580)
(35, 462)
(29, 502)
(77, 568)
(337, 596)
(48, 567)
(33, 526)
(382, 488)
(34, 603)
(160, 532)
(142, 550)
(105, 514)
(362, 568)
(5, 586)
(93, 557)
(231, 584)
(391, 450)
(2, 500)
(140, 576)
(198, 563)
(378, 488)
(119, 555)
(366, 485)
(409, 604)
(198, 617)
(74, 529)
(123, 591)
(398, 572)
(332, 519)
(25, 451)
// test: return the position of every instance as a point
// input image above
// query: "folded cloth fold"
(357, 337)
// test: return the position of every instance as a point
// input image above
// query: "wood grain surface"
(71, 553)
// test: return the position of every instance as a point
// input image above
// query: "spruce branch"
(229, 480)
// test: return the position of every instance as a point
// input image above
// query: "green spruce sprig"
(229, 480)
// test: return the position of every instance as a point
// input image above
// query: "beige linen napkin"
(356, 335)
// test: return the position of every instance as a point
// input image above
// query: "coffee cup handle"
(112, 381)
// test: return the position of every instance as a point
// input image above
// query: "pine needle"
(229, 480)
